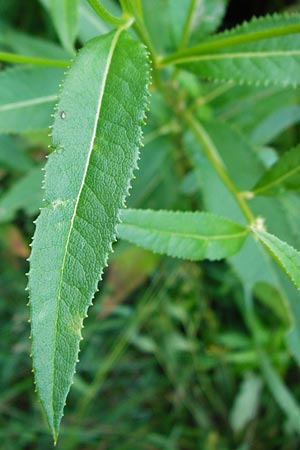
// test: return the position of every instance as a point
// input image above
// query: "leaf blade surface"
(284, 173)
(263, 51)
(188, 235)
(285, 255)
(65, 18)
(97, 131)
(27, 98)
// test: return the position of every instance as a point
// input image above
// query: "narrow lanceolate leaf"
(27, 98)
(97, 131)
(65, 18)
(263, 51)
(284, 173)
(285, 255)
(187, 235)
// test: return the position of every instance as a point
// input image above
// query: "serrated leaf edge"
(260, 235)
(188, 213)
(144, 108)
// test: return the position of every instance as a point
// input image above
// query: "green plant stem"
(169, 128)
(226, 41)
(215, 93)
(106, 15)
(187, 26)
(186, 32)
(134, 7)
(22, 59)
(215, 159)
(141, 30)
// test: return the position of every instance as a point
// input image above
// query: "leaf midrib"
(278, 180)
(262, 237)
(234, 55)
(98, 111)
(232, 40)
(188, 235)
(26, 103)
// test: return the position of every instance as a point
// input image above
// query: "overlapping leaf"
(97, 131)
(263, 51)
(252, 263)
(284, 173)
(26, 44)
(181, 22)
(286, 256)
(65, 18)
(27, 98)
(90, 24)
(188, 235)
(276, 122)
(11, 155)
(282, 394)
(25, 194)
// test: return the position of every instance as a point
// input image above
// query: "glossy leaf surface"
(187, 235)
(97, 131)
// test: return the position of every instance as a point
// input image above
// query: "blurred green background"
(167, 361)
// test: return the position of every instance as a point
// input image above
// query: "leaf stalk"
(23, 59)
(102, 12)
(216, 161)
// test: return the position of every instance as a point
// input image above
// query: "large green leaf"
(65, 18)
(284, 173)
(265, 50)
(97, 131)
(188, 235)
(27, 98)
(286, 256)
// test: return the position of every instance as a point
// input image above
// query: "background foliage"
(169, 360)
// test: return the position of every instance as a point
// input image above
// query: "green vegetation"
(193, 341)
